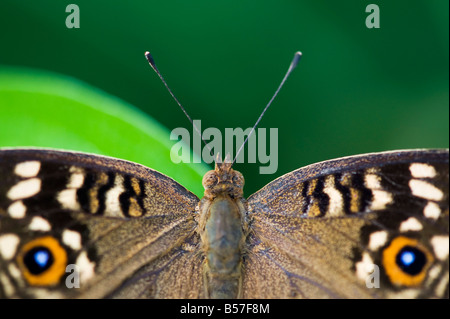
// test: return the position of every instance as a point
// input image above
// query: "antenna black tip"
(296, 59)
(150, 60)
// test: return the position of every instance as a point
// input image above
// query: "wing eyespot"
(406, 261)
(43, 261)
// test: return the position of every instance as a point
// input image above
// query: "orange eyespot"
(43, 261)
(406, 261)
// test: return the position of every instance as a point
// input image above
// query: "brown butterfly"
(373, 225)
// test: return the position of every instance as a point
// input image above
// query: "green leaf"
(43, 109)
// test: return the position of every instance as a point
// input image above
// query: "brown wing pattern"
(117, 221)
(317, 232)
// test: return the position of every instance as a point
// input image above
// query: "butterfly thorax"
(220, 227)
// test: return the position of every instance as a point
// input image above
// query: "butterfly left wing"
(368, 226)
(80, 225)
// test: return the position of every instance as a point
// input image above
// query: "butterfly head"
(223, 180)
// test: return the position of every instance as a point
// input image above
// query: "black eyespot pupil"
(38, 259)
(411, 260)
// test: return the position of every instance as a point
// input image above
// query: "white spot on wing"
(15, 272)
(25, 189)
(46, 294)
(8, 245)
(440, 246)
(380, 199)
(432, 210)
(86, 267)
(77, 178)
(404, 294)
(365, 266)
(39, 224)
(6, 285)
(377, 239)
(433, 273)
(421, 170)
(112, 198)
(336, 202)
(411, 224)
(17, 210)
(27, 169)
(372, 181)
(68, 199)
(442, 286)
(72, 239)
(425, 190)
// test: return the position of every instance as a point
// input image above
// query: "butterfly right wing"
(80, 225)
(321, 231)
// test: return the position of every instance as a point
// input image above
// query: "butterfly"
(76, 225)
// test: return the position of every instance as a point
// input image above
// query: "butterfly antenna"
(294, 63)
(151, 61)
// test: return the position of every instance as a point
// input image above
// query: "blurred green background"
(356, 89)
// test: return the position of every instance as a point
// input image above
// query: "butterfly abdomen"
(221, 239)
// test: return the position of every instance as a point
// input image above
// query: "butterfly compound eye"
(238, 179)
(210, 179)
